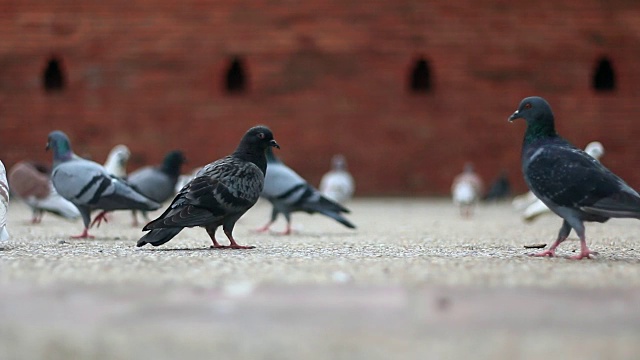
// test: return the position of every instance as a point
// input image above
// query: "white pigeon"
(31, 182)
(535, 207)
(338, 184)
(466, 190)
(116, 163)
(4, 203)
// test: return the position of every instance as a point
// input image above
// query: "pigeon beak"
(46, 148)
(274, 144)
(514, 116)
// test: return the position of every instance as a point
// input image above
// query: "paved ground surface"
(413, 281)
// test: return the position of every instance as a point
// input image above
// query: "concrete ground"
(413, 281)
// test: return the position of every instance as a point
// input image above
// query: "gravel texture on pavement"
(414, 280)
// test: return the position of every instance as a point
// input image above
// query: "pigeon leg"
(98, 219)
(37, 217)
(233, 244)
(562, 236)
(264, 228)
(584, 250)
(134, 215)
(84, 235)
(287, 231)
(211, 231)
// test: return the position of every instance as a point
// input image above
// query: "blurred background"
(408, 90)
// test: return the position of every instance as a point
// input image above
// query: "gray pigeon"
(89, 186)
(571, 183)
(157, 182)
(219, 194)
(288, 192)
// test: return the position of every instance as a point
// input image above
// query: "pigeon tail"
(337, 217)
(157, 237)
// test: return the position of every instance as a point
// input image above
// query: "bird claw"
(583, 255)
(84, 235)
(235, 247)
(549, 253)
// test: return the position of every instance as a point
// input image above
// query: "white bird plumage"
(338, 184)
(4, 202)
(117, 159)
(466, 190)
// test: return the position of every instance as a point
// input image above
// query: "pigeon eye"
(527, 106)
(260, 135)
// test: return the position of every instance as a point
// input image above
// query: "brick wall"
(327, 76)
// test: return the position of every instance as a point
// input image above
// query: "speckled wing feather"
(563, 175)
(226, 186)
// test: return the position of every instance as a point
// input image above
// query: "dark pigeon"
(219, 194)
(500, 189)
(157, 182)
(89, 186)
(571, 183)
(288, 192)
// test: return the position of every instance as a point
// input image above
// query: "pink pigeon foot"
(98, 220)
(84, 235)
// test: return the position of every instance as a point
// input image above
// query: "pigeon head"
(595, 149)
(258, 138)
(338, 162)
(538, 115)
(121, 153)
(58, 142)
(173, 162)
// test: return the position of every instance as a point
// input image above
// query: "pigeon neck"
(255, 156)
(538, 130)
(62, 154)
(170, 168)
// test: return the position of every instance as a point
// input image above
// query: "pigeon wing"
(568, 177)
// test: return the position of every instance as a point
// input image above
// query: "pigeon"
(4, 203)
(157, 183)
(499, 189)
(32, 183)
(116, 163)
(466, 190)
(288, 192)
(219, 194)
(337, 184)
(574, 185)
(536, 207)
(89, 186)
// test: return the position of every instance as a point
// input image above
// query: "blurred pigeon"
(116, 163)
(466, 190)
(219, 194)
(4, 203)
(32, 183)
(337, 184)
(288, 192)
(536, 207)
(89, 186)
(500, 188)
(157, 182)
(571, 183)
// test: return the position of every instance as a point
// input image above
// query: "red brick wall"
(327, 76)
